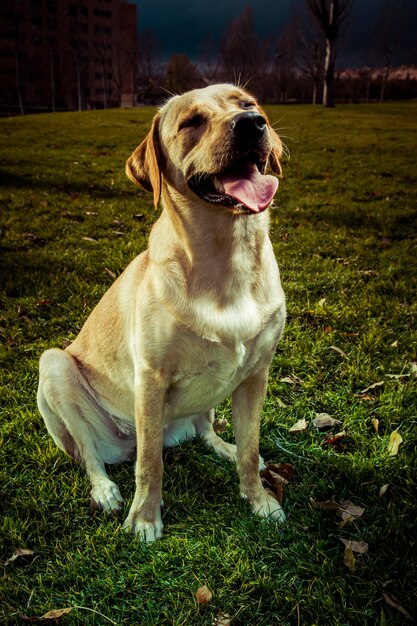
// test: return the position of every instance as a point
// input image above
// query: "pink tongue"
(248, 186)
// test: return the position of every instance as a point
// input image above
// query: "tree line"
(71, 65)
(298, 65)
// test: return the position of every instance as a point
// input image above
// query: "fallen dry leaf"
(299, 427)
(110, 273)
(89, 239)
(54, 614)
(394, 442)
(328, 505)
(203, 595)
(349, 511)
(413, 370)
(275, 478)
(366, 396)
(375, 423)
(371, 388)
(361, 547)
(19, 552)
(349, 559)
(392, 601)
(291, 380)
(324, 420)
(337, 441)
(285, 470)
(339, 351)
(223, 619)
(383, 490)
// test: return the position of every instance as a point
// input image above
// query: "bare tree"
(209, 59)
(329, 16)
(309, 49)
(181, 74)
(149, 55)
(240, 49)
(387, 36)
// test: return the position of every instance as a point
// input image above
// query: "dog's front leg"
(247, 401)
(144, 518)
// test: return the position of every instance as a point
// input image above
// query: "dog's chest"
(213, 369)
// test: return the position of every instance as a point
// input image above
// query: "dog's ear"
(276, 153)
(144, 165)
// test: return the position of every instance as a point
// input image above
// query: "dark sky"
(182, 25)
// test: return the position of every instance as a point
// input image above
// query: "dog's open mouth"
(244, 185)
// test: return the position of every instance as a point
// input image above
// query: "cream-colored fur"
(193, 319)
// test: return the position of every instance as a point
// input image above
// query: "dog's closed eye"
(193, 122)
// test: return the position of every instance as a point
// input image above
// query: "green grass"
(344, 232)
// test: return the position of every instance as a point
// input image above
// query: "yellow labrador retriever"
(192, 320)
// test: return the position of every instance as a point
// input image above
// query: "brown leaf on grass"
(54, 614)
(328, 505)
(220, 426)
(324, 421)
(337, 441)
(349, 559)
(394, 442)
(361, 547)
(275, 478)
(291, 380)
(349, 511)
(375, 423)
(223, 619)
(339, 351)
(203, 595)
(37, 240)
(392, 601)
(285, 470)
(19, 552)
(299, 427)
(366, 396)
(110, 273)
(371, 388)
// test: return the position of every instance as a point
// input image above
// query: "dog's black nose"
(249, 123)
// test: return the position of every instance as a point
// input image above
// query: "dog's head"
(214, 143)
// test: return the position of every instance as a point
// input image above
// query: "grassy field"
(344, 231)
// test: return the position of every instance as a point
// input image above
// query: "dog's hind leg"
(204, 427)
(73, 419)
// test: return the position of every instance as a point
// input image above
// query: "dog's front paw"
(266, 506)
(146, 531)
(105, 496)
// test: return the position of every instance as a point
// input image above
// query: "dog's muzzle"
(242, 184)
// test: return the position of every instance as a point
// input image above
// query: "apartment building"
(67, 54)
